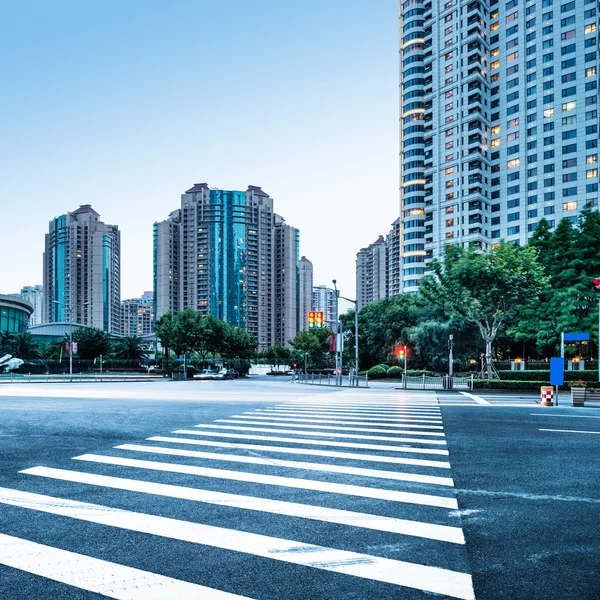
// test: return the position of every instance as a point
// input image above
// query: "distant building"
(394, 264)
(226, 253)
(306, 287)
(34, 294)
(325, 301)
(137, 315)
(14, 314)
(82, 271)
(371, 273)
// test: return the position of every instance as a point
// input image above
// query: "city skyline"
(115, 126)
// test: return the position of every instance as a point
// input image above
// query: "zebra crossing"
(315, 498)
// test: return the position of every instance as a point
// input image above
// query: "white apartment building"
(371, 273)
(325, 301)
(498, 121)
(306, 287)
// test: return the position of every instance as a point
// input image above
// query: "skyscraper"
(306, 286)
(226, 253)
(371, 273)
(82, 271)
(498, 121)
(137, 315)
(325, 301)
(35, 295)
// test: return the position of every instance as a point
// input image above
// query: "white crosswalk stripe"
(234, 465)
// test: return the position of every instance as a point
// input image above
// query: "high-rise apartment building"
(34, 294)
(137, 315)
(226, 253)
(325, 301)
(498, 121)
(82, 271)
(306, 287)
(371, 273)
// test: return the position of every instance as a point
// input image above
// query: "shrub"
(383, 366)
(395, 372)
(377, 372)
(587, 375)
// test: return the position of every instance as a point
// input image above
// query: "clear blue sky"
(124, 104)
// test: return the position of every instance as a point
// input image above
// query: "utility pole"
(355, 302)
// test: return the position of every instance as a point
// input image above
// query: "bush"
(377, 372)
(383, 366)
(395, 372)
(587, 375)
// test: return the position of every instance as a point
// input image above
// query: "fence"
(335, 380)
(426, 382)
(77, 378)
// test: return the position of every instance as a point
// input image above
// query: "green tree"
(131, 348)
(238, 343)
(24, 346)
(91, 342)
(485, 288)
(307, 343)
(164, 328)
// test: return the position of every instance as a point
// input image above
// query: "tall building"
(137, 315)
(371, 273)
(226, 253)
(394, 258)
(306, 287)
(82, 271)
(498, 121)
(325, 301)
(34, 294)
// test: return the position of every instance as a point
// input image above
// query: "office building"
(498, 121)
(306, 287)
(371, 273)
(227, 254)
(137, 315)
(82, 271)
(325, 301)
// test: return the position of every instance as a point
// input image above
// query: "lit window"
(590, 28)
(449, 106)
(416, 211)
(591, 159)
(495, 52)
(495, 143)
(590, 72)
(549, 112)
(513, 123)
(449, 183)
(569, 206)
(449, 234)
(494, 26)
(449, 132)
(495, 65)
(449, 157)
(448, 55)
(449, 209)
(449, 222)
(569, 106)
(515, 162)
(448, 68)
(449, 145)
(495, 129)
(495, 77)
(449, 94)
(591, 173)
(449, 170)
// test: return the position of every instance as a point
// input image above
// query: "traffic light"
(597, 285)
(401, 353)
(311, 319)
(319, 322)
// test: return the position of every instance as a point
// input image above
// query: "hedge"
(499, 384)
(587, 375)
(395, 372)
(377, 372)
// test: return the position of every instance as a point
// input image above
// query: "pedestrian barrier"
(77, 378)
(428, 382)
(334, 380)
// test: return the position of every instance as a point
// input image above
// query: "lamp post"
(355, 302)
(71, 306)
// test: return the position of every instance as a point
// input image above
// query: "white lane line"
(562, 416)
(400, 423)
(372, 413)
(292, 482)
(347, 417)
(99, 576)
(291, 464)
(432, 579)
(477, 399)
(369, 407)
(263, 438)
(570, 431)
(326, 434)
(270, 423)
(302, 451)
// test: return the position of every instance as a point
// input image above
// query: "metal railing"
(427, 382)
(334, 380)
(77, 378)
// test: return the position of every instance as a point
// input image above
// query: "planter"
(592, 395)
(578, 396)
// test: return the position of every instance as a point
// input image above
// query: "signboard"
(557, 371)
(576, 337)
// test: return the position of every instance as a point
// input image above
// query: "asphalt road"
(271, 490)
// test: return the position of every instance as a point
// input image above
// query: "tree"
(24, 346)
(131, 348)
(307, 343)
(238, 343)
(485, 288)
(91, 342)
(164, 328)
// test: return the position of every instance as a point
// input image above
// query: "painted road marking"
(346, 417)
(570, 431)
(290, 464)
(431, 579)
(356, 412)
(563, 416)
(477, 399)
(292, 482)
(271, 423)
(328, 453)
(327, 434)
(99, 576)
(302, 419)
(263, 438)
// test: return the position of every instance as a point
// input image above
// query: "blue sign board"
(557, 371)
(576, 337)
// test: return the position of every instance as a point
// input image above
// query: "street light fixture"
(70, 307)
(355, 302)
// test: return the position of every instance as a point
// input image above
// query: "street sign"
(576, 337)
(557, 371)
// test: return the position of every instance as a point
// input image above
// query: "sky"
(125, 104)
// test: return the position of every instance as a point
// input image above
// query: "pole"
(101, 366)
(70, 343)
(356, 342)
(599, 337)
(450, 361)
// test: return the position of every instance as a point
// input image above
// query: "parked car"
(206, 374)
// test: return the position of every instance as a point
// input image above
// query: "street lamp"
(70, 306)
(355, 302)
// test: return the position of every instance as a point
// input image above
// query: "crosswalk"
(338, 497)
